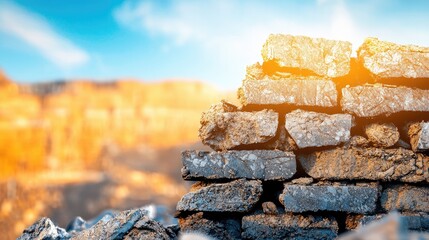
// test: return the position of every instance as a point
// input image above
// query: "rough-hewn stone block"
(236, 196)
(214, 226)
(341, 198)
(382, 134)
(322, 56)
(419, 136)
(223, 128)
(390, 60)
(256, 164)
(374, 100)
(366, 164)
(312, 129)
(298, 92)
(405, 198)
(288, 226)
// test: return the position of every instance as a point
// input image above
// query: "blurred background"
(98, 98)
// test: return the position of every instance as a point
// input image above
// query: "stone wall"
(321, 144)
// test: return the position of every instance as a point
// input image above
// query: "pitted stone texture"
(419, 136)
(405, 198)
(215, 227)
(299, 92)
(254, 72)
(322, 56)
(366, 164)
(236, 196)
(256, 164)
(415, 221)
(130, 224)
(222, 129)
(374, 100)
(357, 141)
(282, 141)
(44, 229)
(288, 226)
(382, 134)
(314, 198)
(312, 129)
(390, 60)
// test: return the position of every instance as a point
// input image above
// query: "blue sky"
(211, 40)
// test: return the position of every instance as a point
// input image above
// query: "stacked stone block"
(312, 152)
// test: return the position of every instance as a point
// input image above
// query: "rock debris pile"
(322, 144)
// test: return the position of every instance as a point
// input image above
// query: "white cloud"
(37, 32)
(234, 31)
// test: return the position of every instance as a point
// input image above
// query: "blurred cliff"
(87, 146)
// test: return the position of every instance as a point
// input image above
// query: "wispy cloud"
(232, 28)
(36, 31)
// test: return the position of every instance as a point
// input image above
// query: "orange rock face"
(68, 125)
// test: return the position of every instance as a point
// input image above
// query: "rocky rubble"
(130, 224)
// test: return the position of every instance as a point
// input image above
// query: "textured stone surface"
(254, 72)
(236, 196)
(282, 141)
(405, 198)
(299, 92)
(270, 208)
(374, 100)
(419, 136)
(382, 134)
(414, 221)
(288, 226)
(44, 229)
(131, 224)
(256, 164)
(322, 56)
(314, 198)
(215, 227)
(312, 129)
(222, 128)
(390, 60)
(366, 163)
(357, 141)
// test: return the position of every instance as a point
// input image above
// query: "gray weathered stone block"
(419, 136)
(312, 129)
(223, 128)
(322, 56)
(255, 164)
(236, 196)
(366, 164)
(374, 100)
(389, 60)
(405, 198)
(288, 226)
(298, 92)
(314, 198)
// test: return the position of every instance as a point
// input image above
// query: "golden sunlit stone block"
(374, 100)
(323, 57)
(390, 60)
(292, 91)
